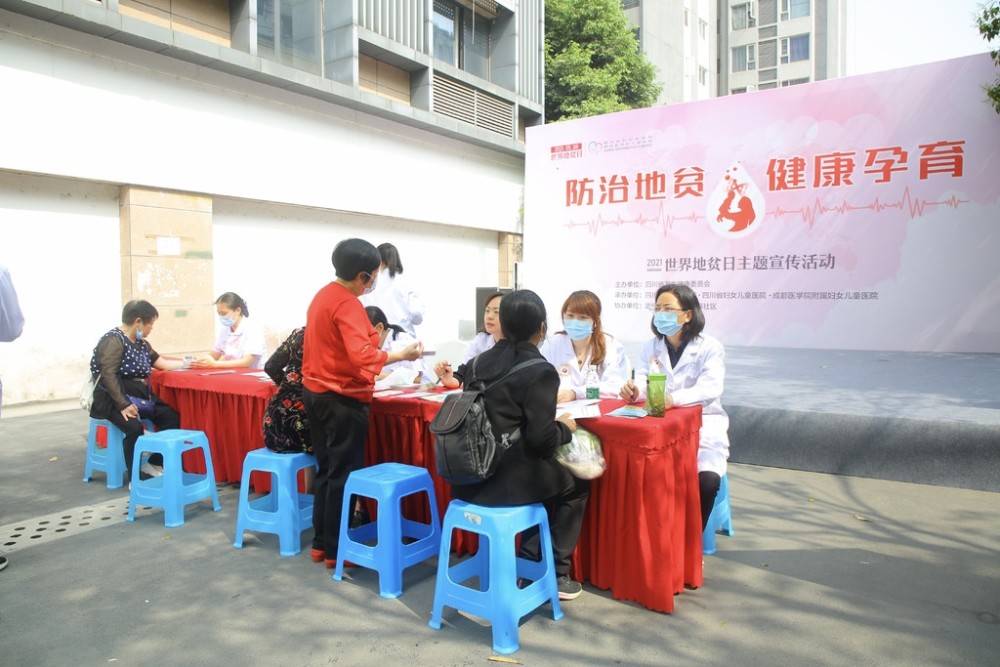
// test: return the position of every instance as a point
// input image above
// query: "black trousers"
(338, 427)
(164, 417)
(708, 485)
(565, 511)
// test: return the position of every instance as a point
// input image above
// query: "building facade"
(773, 43)
(710, 48)
(679, 37)
(172, 150)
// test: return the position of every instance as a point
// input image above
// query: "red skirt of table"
(641, 537)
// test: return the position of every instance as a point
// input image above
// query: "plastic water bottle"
(593, 383)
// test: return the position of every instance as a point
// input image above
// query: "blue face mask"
(138, 334)
(226, 321)
(578, 329)
(666, 323)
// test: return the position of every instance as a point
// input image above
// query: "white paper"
(580, 409)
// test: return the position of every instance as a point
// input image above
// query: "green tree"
(592, 61)
(989, 28)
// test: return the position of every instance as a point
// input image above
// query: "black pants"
(338, 427)
(565, 512)
(164, 417)
(708, 485)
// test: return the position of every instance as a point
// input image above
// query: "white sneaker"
(151, 470)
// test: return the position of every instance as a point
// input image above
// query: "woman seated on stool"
(286, 426)
(528, 473)
(240, 342)
(123, 359)
(696, 369)
(583, 344)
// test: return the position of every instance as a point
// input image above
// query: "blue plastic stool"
(284, 511)
(498, 568)
(109, 459)
(388, 484)
(720, 520)
(175, 488)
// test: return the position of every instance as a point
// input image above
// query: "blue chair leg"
(720, 521)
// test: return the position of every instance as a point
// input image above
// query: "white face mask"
(371, 287)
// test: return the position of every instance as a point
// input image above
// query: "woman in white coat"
(400, 304)
(583, 344)
(240, 342)
(696, 369)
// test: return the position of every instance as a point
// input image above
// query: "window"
(794, 82)
(703, 28)
(630, 4)
(687, 17)
(794, 49)
(743, 17)
(702, 75)
(462, 38)
(744, 58)
(793, 9)
(288, 32)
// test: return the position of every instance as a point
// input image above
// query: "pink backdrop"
(856, 213)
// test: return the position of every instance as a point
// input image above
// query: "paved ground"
(822, 570)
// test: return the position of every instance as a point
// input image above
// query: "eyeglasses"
(659, 309)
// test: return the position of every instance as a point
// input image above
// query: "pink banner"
(856, 213)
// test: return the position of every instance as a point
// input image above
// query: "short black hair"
(522, 314)
(144, 310)
(354, 256)
(689, 301)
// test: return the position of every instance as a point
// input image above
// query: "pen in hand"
(633, 392)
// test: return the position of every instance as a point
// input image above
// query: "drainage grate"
(45, 529)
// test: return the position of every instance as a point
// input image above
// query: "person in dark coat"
(528, 473)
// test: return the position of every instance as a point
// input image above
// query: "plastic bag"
(87, 389)
(582, 455)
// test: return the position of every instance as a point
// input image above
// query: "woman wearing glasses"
(695, 367)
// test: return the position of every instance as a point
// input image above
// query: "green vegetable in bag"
(582, 455)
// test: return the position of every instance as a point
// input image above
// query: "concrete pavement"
(822, 570)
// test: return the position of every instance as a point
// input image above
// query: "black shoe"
(3, 562)
(568, 589)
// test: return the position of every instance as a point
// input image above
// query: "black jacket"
(525, 400)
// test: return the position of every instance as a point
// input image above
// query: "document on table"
(580, 409)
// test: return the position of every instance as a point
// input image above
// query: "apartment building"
(709, 48)
(173, 150)
(679, 37)
(772, 43)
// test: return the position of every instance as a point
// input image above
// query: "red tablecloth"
(228, 407)
(641, 537)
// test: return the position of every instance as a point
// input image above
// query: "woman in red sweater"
(340, 360)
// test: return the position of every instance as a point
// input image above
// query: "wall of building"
(89, 123)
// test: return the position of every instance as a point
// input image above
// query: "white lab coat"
(482, 342)
(697, 379)
(558, 350)
(401, 342)
(247, 339)
(401, 305)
